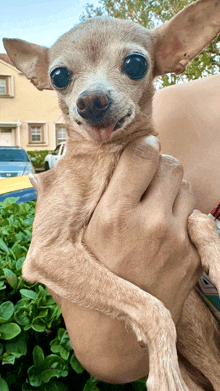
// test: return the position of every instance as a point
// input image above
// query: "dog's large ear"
(184, 36)
(32, 60)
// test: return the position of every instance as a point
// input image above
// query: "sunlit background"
(40, 21)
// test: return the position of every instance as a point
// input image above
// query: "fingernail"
(154, 142)
(146, 148)
(186, 185)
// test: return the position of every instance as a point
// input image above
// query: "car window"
(56, 151)
(62, 149)
(13, 155)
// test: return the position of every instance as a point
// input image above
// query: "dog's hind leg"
(197, 332)
(191, 380)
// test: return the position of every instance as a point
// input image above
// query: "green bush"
(39, 156)
(34, 345)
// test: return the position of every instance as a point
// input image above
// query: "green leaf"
(9, 330)
(34, 374)
(57, 348)
(17, 346)
(77, 367)
(4, 247)
(2, 321)
(3, 385)
(8, 359)
(38, 325)
(52, 366)
(91, 385)
(61, 344)
(9, 273)
(64, 353)
(42, 313)
(8, 201)
(50, 300)
(28, 293)
(19, 263)
(6, 310)
(38, 355)
(22, 316)
(2, 285)
(27, 327)
(22, 303)
(28, 232)
(11, 278)
(47, 374)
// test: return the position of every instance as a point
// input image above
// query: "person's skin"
(187, 118)
(145, 240)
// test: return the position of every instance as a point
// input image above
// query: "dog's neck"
(79, 147)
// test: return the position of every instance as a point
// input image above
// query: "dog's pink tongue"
(104, 133)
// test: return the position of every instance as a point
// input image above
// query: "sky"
(39, 21)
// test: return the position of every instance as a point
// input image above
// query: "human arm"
(186, 117)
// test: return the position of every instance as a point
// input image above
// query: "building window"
(61, 134)
(6, 86)
(36, 133)
(3, 86)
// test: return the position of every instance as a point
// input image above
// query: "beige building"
(29, 118)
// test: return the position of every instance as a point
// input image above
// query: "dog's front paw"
(170, 380)
(164, 370)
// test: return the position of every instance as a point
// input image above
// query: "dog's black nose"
(93, 104)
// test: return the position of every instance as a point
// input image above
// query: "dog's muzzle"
(93, 105)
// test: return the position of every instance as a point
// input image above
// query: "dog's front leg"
(86, 282)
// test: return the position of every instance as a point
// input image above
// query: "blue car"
(14, 161)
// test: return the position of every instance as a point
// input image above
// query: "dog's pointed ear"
(184, 36)
(32, 60)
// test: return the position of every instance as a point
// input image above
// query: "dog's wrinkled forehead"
(93, 38)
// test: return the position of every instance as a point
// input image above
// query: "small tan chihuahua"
(103, 71)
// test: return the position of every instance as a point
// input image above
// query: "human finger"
(185, 201)
(166, 183)
(134, 172)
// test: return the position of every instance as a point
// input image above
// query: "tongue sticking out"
(104, 133)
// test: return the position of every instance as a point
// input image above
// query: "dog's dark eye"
(135, 66)
(60, 77)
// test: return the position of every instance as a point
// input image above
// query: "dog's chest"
(90, 186)
(69, 199)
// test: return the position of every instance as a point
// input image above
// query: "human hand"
(139, 228)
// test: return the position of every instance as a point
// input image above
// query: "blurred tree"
(150, 14)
